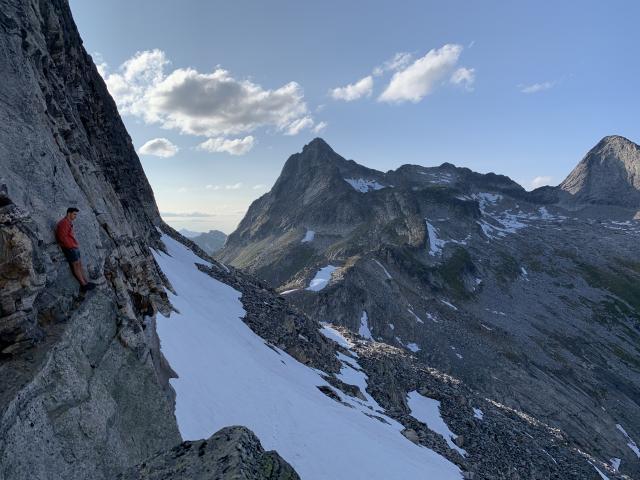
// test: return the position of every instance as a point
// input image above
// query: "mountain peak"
(317, 144)
(608, 174)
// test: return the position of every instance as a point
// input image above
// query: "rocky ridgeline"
(530, 298)
(231, 453)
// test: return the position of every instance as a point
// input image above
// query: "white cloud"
(540, 181)
(298, 125)
(536, 87)
(420, 78)
(212, 187)
(399, 61)
(235, 186)
(320, 127)
(260, 186)
(205, 104)
(159, 147)
(353, 91)
(236, 146)
(464, 77)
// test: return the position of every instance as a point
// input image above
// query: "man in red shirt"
(70, 247)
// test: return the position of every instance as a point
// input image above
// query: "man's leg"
(76, 268)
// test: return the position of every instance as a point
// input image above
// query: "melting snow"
(309, 236)
(427, 411)
(602, 475)
(229, 376)
(417, 317)
(449, 304)
(382, 267)
(615, 463)
(477, 413)
(322, 278)
(364, 330)
(632, 445)
(435, 244)
(333, 334)
(362, 185)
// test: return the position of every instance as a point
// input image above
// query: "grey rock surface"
(530, 298)
(233, 453)
(210, 241)
(85, 388)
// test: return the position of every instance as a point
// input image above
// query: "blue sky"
(518, 88)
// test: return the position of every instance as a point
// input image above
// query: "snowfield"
(321, 278)
(229, 376)
(362, 185)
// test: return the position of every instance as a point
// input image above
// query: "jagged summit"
(609, 174)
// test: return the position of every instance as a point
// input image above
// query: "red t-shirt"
(64, 234)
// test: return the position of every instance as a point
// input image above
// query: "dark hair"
(72, 209)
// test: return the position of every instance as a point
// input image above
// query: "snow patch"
(418, 319)
(413, 347)
(382, 267)
(477, 413)
(427, 411)
(602, 475)
(364, 330)
(227, 375)
(435, 244)
(331, 333)
(615, 463)
(450, 305)
(309, 236)
(287, 292)
(631, 444)
(322, 278)
(362, 185)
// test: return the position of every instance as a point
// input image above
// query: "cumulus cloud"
(399, 61)
(297, 126)
(235, 186)
(212, 187)
(235, 146)
(205, 104)
(320, 127)
(159, 147)
(536, 87)
(540, 181)
(464, 77)
(419, 79)
(353, 91)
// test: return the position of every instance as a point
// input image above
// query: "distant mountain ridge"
(530, 297)
(210, 241)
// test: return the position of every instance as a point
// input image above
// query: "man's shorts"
(72, 254)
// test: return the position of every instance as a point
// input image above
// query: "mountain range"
(395, 363)
(531, 298)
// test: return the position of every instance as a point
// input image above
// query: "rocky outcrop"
(233, 453)
(84, 387)
(210, 241)
(608, 175)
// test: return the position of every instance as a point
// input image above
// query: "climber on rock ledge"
(70, 247)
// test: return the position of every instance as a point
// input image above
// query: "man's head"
(72, 213)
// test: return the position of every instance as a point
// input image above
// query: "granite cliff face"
(85, 390)
(608, 175)
(528, 297)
